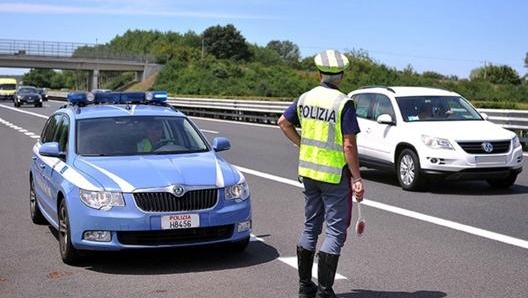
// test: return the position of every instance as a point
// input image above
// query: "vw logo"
(487, 147)
(178, 190)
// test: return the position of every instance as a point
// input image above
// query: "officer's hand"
(357, 188)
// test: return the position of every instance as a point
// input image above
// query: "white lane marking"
(24, 111)
(209, 131)
(19, 129)
(292, 261)
(416, 215)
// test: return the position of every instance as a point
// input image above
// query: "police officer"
(328, 168)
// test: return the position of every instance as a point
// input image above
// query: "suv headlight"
(239, 191)
(516, 142)
(436, 143)
(101, 200)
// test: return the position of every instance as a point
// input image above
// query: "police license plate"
(180, 221)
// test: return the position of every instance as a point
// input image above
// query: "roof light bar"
(83, 98)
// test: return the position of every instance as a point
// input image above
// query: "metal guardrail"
(268, 112)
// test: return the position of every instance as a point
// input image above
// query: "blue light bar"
(125, 97)
(78, 98)
(157, 96)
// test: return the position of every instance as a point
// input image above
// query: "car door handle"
(368, 130)
(34, 157)
(42, 165)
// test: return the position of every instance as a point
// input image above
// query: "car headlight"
(516, 142)
(436, 143)
(239, 191)
(102, 200)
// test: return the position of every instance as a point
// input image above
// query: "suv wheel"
(69, 254)
(408, 171)
(503, 183)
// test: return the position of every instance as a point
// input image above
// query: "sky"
(450, 37)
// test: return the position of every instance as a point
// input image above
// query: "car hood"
(464, 130)
(129, 173)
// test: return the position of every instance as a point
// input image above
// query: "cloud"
(120, 8)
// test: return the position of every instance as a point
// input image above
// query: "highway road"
(459, 239)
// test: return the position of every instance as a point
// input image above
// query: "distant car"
(93, 179)
(27, 95)
(426, 133)
(43, 93)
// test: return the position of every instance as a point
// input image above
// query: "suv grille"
(168, 202)
(476, 147)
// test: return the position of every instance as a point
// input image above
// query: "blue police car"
(126, 170)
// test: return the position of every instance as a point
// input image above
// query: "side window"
(383, 106)
(63, 133)
(48, 133)
(363, 103)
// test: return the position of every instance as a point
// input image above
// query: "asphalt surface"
(459, 239)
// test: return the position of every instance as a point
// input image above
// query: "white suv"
(422, 133)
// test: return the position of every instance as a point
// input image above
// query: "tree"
(496, 74)
(287, 50)
(226, 43)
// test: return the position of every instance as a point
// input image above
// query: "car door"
(43, 166)
(373, 140)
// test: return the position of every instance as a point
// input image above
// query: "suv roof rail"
(378, 86)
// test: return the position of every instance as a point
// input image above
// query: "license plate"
(490, 159)
(180, 221)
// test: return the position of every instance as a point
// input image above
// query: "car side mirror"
(221, 144)
(51, 149)
(484, 115)
(385, 119)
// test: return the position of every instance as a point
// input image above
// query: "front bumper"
(131, 228)
(454, 165)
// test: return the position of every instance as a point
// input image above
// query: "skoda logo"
(178, 190)
(487, 147)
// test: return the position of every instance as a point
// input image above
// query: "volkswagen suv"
(424, 133)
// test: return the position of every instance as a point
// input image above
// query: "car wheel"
(503, 183)
(409, 172)
(69, 254)
(240, 245)
(36, 214)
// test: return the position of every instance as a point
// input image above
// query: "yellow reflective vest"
(321, 155)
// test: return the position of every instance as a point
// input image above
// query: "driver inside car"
(154, 136)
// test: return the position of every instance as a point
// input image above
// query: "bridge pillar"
(94, 80)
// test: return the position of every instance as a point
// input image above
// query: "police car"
(428, 133)
(125, 170)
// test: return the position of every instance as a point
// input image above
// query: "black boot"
(327, 266)
(305, 258)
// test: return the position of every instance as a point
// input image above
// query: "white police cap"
(331, 61)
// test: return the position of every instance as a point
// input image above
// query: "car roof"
(120, 110)
(406, 91)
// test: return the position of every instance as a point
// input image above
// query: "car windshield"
(135, 135)
(7, 86)
(436, 108)
(27, 90)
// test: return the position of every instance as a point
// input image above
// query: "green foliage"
(226, 42)
(219, 62)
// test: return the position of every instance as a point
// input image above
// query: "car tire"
(409, 172)
(240, 245)
(503, 183)
(34, 209)
(69, 254)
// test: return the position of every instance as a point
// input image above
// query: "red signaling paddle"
(360, 224)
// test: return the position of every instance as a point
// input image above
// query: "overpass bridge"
(73, 56)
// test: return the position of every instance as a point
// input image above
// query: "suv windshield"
(436, 108)
(135, 135)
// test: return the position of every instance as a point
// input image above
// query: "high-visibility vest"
(321, 155)
(144, 145)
